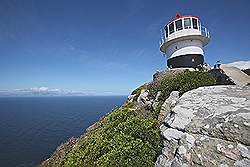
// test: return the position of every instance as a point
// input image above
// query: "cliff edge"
(207, 126)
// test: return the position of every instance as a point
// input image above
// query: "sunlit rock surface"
(209, 126)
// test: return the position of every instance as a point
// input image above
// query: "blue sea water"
(32, 127)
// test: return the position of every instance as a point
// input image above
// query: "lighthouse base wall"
(185, 61)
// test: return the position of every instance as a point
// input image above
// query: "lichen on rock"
(210, 127)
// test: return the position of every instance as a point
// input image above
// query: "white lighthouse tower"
(182, 41)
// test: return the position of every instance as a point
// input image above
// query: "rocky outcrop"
(236, 75)
(209, 126)
(168, 104)
(143, 100)
(246, 71)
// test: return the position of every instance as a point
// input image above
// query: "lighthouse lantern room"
(182, 41)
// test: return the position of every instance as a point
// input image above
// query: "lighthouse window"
(194, 21)
(166, 30)
(187, 23)
(178, 25)
(171, 28)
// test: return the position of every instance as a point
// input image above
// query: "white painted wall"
(185, 47)
(184, 32)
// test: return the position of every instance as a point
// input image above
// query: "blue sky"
(106, 46)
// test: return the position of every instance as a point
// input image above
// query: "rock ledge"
(209, 126)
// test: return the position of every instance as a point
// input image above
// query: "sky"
(105, 47)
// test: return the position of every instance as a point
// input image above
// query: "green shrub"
(184, 82)
(124, 139)
(127, 138)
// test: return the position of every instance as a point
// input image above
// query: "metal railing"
(204, 32)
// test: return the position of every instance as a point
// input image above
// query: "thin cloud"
(46, 91)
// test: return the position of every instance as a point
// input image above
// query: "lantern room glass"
(171, 28)
(195, 22)
(187, 23)
(178, 25)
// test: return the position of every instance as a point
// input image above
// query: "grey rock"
(223, 165)
(131, 98)
(156, 101)
(155, 105)
(157, 95)
(243, 150)
(209, 126)
(235, 74)
(218, 111)
(171, 134)
(168, 104)
(182, 150)
(190, 140)
(162, 161)
(143, 100)
(242, 163)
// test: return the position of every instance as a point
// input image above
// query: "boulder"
(168, 104)
(156, 102)
(143, 100)
(209, 126)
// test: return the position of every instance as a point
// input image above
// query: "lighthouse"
(182, 41)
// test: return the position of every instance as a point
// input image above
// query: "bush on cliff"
(183, 82)
(124, 139)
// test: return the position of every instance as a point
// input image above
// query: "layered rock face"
(208, 126)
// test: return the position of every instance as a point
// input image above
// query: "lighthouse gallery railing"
(204, 32)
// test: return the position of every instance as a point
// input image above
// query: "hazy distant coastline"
(45, 92)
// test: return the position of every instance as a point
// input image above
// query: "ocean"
(31, 128)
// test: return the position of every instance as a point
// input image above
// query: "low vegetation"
(126, 137)
(181, 82)
(184, 82)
